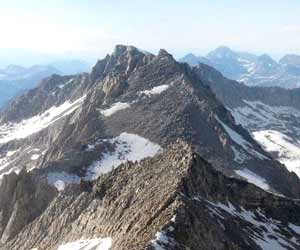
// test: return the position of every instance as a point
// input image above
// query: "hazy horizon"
(49, 30)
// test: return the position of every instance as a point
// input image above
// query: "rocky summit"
(141, 153)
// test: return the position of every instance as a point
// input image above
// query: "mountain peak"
(120, 49)
(221, 52)
(123, 59)
(290, 59)
(164, 53)
(266, 59)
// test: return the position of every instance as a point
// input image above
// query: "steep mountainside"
(175, 200)
(68, 123)
(271, 114)
(72, 132)
(251, 69)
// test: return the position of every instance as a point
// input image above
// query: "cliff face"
(23, 198)
(175, 200)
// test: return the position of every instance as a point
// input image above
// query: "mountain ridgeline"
(15, 79)
(139, 154)
(251, 69)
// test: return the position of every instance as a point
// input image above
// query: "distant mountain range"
(251, 69)
(15, 79)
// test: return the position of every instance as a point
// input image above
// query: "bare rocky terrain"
(140, 151)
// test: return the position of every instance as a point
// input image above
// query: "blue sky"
(90, 28)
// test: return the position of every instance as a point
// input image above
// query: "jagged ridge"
(173, 193)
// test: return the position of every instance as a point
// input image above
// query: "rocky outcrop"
(23, 198)
(176, 195)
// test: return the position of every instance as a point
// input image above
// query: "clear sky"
(91, 28)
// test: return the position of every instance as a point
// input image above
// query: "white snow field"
(239, 156)
(60, 180)
(256, 115)
(128, 147)
(238, 139)
(93, 244)
(272, 127)
(25, 128)
(35, 157)
(118, 106)
(264, 231)
(155, 90)
(5, 161)
(253, 178)
(287, 149)
(162, 239)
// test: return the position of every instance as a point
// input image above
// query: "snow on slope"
(35, 157)
(253, 178)
(239, 156)
(60, 180)
(92, 244)
(256, 115)
(5, 160)
(13, 131)
(128, 147)
(286, 148)
(238, 139)
(118, 106)
(265, 231)
(61, 86)
(155, 91)
(162, 239)
(276, 128)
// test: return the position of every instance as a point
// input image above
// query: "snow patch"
(258, 115)
(6, 160)
(156, 90)
(253, 178)
(92, 244)
(162, 239)
(11, 153)
(14, 169)
(35, 157)
(61, 86)
(265, 231)
(286, 148)
(60, 180)
(238, 139)
(15, 131)
(128, 147)
(239, 156)
(295, 228)
(118, 106)
(276, 128)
